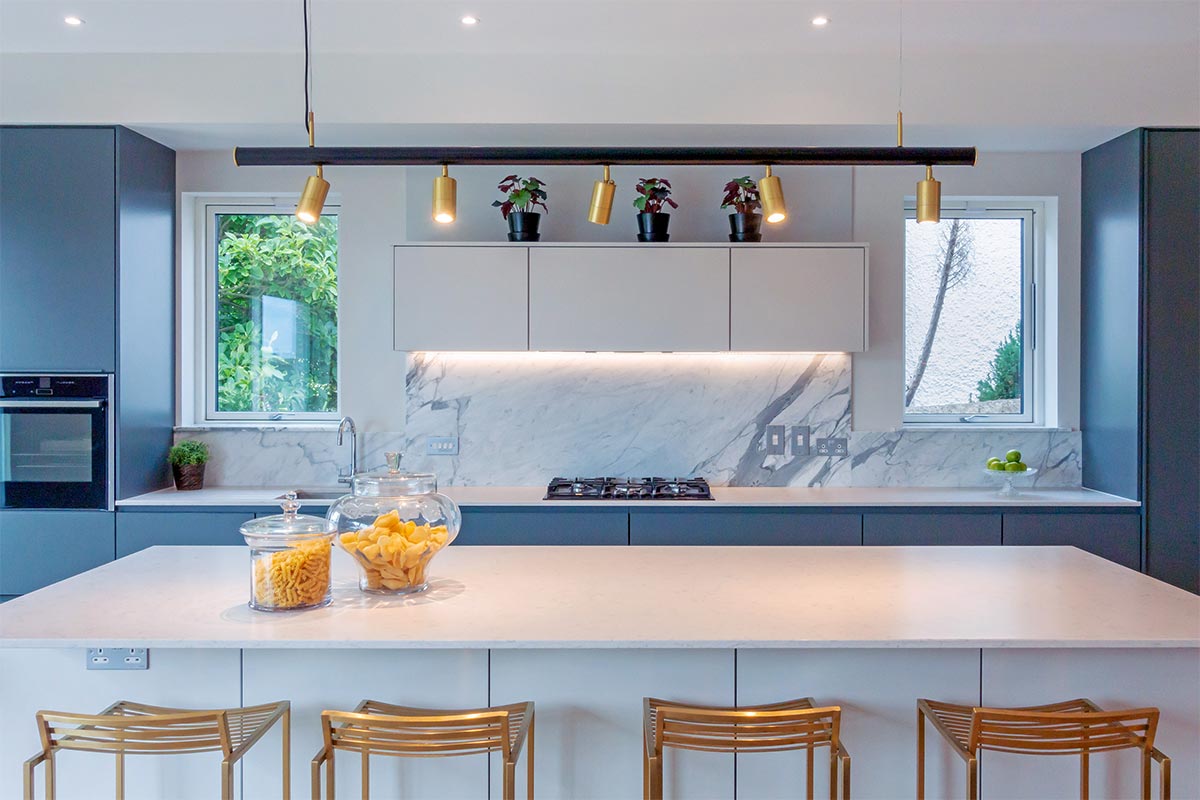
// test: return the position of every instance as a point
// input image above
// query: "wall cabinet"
(38, 548)
(461, 298)
(139, 530)
(1115, 536)
(628, 298)
(550, 526)
(798, 298)
(744, 526)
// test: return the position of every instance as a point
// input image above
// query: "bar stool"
(1067, 728)
(385, 729)
(136, 728)
(790, 725)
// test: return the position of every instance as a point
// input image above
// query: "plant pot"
(523, 226)
(652, 226)
(745, 227)
(188, 477)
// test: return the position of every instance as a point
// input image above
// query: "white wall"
(879, 195)
(376, 214)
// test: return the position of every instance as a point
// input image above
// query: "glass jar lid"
(289, 523)
(392, 482)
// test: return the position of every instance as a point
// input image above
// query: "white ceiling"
(1000, 74)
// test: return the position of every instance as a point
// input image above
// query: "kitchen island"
(585, 632)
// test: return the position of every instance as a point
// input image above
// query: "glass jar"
(289, 559)
(392, 525)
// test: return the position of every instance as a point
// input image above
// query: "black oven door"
(54, 453)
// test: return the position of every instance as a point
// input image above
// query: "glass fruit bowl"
(392, 524)
(1007, 489)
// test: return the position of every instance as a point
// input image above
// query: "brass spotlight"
(600, 208)
(316, 188)
(445, 197)
(770, 194)
(929, 198)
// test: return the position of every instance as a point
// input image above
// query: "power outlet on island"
(118, 658)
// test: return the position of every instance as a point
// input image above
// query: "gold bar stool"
(375, 728)
(1067, 728)
(790, 725)
(135, 728)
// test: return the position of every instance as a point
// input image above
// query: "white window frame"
(1033, 373)
(205, 309)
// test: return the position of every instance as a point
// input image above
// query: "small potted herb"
(654, 194)
(187, 464)
(523, 195)
(741, 194)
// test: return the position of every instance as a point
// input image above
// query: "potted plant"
(741, 194)
(654, 194)
(187, 464)
(523, 196)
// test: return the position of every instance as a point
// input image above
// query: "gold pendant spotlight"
(600, 209)
(929, 191)
(445, 197)
(770, 194)
(316, 188)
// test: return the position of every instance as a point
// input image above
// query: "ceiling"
(999, 74)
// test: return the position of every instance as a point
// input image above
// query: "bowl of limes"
(1007, 469)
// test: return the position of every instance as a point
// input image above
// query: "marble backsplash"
(522, 419)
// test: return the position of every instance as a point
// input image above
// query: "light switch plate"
(801, 440)
(776, 440)
(118, 658)
(441, 446)
(834, 448)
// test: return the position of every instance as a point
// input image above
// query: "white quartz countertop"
(731, 496)
(630, 597)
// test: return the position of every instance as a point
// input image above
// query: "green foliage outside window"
(1003, 381)
(276, 313)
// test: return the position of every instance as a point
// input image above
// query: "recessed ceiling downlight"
(820, 21)
(73, 20)
(470, 19)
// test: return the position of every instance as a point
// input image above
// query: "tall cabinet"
(1140, 399)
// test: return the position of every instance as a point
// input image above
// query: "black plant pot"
(652, 226)
(523, 226)
(188, 477)
(745, 227)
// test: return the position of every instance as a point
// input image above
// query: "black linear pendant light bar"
(593, 156)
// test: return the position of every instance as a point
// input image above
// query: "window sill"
(266, 425)
(987, 426)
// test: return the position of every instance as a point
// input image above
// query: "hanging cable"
(307, 71)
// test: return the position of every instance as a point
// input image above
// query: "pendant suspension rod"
(598, 156)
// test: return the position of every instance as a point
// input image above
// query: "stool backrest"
(122, 729)
(1062, 732)
(429, 733)
(731, 730)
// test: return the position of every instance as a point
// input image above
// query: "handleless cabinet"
(629, 298)
(461, 298)
(798, 299)
(38, 548)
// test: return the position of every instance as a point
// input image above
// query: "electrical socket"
(776, 440)
(441, 446)
(834, 448)
(118, 658)
(801, 440)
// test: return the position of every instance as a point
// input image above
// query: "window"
(969, 311)
(270, 311)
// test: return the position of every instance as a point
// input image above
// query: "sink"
(318, 494)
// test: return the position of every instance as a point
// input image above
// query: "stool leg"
(920, 754)
(510, 780)
(120, 776)
(808, 778)
(1145, 775)
(973, 779)
(286, 721)
(50, 776)
(330, 790)
(226, 780)
(833, 773)
(656, 778)
(846, 778)
(1084, 775)
(366, 775)
(529, 761)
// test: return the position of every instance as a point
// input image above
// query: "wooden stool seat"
(127, 727)
(789, 725)
(1071, 727)
(375, 728)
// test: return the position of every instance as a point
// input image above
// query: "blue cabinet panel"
(38, 548)
(544, 526)
(1112, 535)
(58, 249)
(139, 530)
(745, 526)
(923, 527)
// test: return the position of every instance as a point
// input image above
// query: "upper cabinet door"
(802, 299)
(461, 298)
(58, 250)
(629, 298)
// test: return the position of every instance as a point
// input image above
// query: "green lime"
(1023, 466)
(997, 465)
(1014, 466)
(1013, 456)
(993, 460)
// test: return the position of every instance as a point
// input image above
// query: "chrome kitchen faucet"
(348, 424)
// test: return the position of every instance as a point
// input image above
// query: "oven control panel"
(34, 386)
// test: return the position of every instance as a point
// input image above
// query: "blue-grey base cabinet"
(931, 527)
(138, 530)
(544, 526)
(38, 548)
(743, 526)
(1114, 535)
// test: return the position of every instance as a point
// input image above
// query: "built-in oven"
(56, 441)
